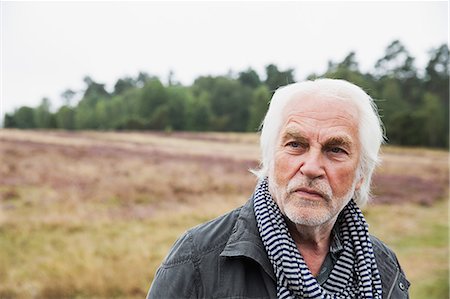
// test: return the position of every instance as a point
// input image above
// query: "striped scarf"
(355, 273)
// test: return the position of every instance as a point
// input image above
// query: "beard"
(304, 211)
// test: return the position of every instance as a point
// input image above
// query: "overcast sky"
(48, 47)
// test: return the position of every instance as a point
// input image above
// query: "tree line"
(413, 103)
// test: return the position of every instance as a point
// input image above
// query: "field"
(92, 214)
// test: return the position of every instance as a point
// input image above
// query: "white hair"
(370, 127)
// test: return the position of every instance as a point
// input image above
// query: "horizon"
(197, 39)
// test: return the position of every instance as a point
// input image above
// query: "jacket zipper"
(393, 285)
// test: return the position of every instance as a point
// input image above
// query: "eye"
(293, 144)
(337, 150)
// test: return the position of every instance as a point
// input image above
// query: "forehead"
(323, 113)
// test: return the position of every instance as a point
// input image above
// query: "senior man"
(301, 234)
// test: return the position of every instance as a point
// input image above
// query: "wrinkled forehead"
(321, 106)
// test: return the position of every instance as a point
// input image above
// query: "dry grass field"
(92, 214)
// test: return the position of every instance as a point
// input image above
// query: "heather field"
(92, 214)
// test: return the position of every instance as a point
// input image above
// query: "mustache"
(320, 187)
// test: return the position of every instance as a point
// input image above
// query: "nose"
(312, 165)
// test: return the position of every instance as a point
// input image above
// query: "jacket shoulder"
(179, 276)
(379, 247)
(215, 233)
(393, 279)
(202, 239)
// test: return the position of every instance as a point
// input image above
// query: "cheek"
(285, 167)
(341, 179)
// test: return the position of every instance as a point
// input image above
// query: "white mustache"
(320, 187)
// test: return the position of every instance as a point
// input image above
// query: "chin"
(308, 216)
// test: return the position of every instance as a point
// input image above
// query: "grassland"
(91, 214)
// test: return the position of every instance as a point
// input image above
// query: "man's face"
(316, 159)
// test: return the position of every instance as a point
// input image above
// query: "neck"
(311, 236)
(313, 242)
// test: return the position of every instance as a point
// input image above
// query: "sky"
(48, 47)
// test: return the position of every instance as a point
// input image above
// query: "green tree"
(432, 116)
(398, 64)
(276, 78)
(160, 119)
(152, 97)
(43, 118)
(178, 98)
(102, 115)
(142, 79)
(249, 78)
(94, 91)
(9, 121)
(199, 112)
(123, 84)
(437, 72)
(24, 118)
(348, 69)
(258, 107)
(349, 64)
(414, 107)
(85, 117)
(68, 96)
(394, 110)
(65, 118)
(229, 102)
(437, 82)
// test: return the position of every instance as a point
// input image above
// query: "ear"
(359, 183)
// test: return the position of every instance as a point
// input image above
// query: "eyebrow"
(296, 134)
(338, 141)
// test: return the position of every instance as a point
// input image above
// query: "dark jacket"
(225, 258)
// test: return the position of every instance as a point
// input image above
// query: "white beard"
(306, 212)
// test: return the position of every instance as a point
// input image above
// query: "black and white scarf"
(355, 273)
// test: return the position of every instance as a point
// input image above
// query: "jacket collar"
(245, 241)
(387, 266)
